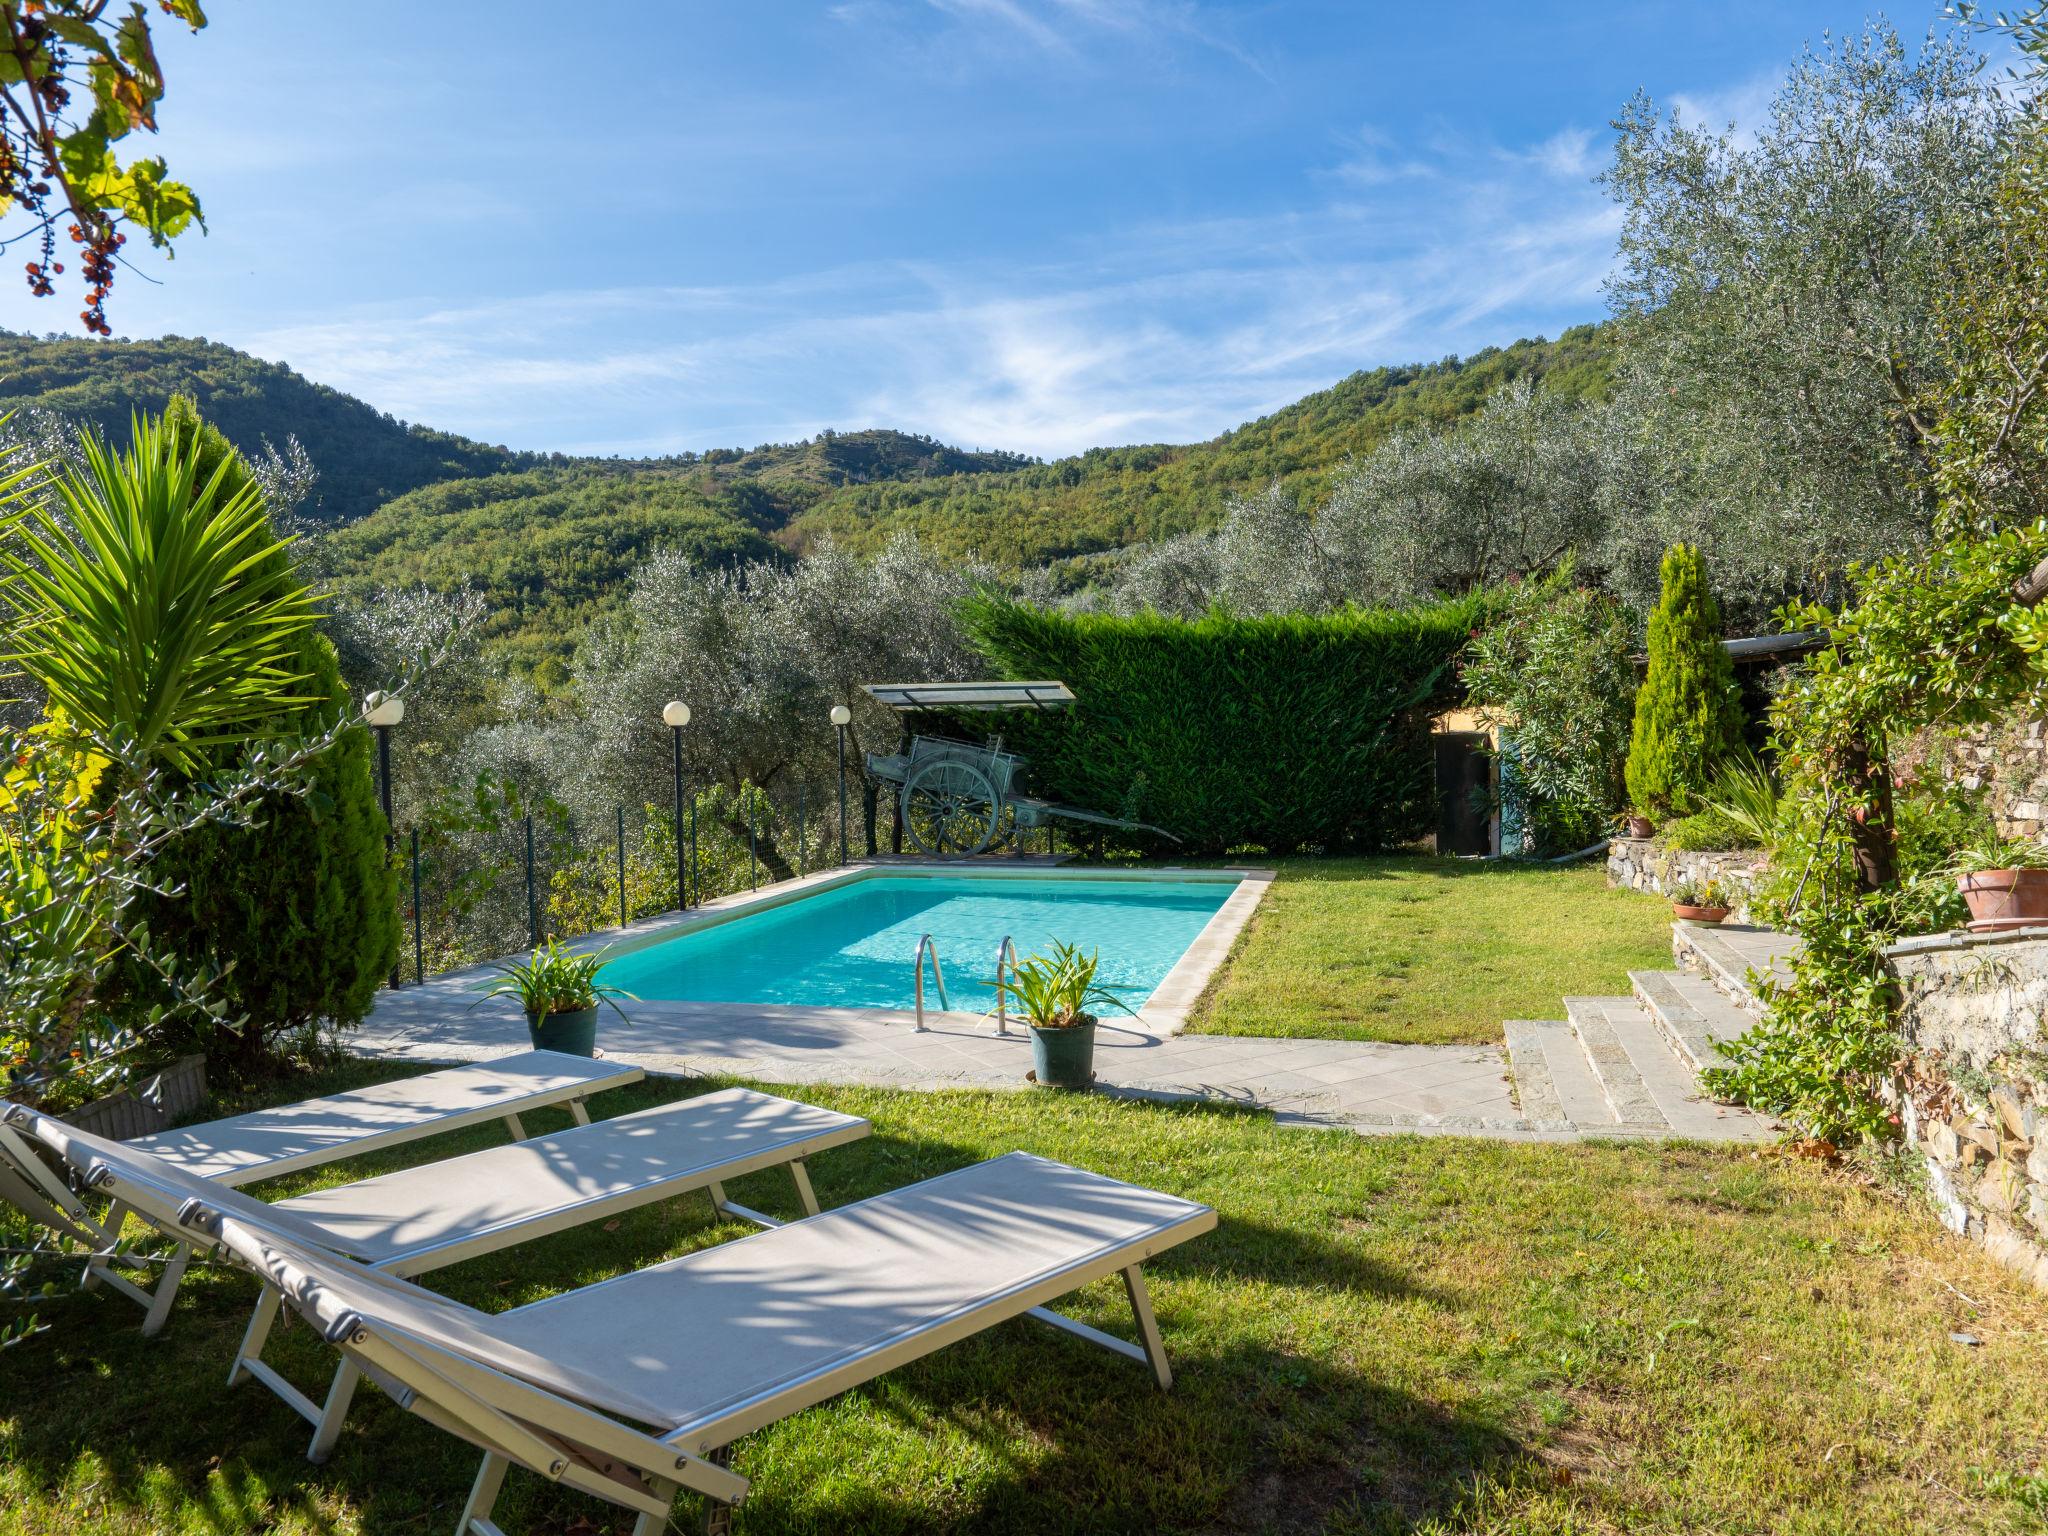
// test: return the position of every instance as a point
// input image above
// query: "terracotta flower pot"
(1692, 914)
(1641, 827)
(2005, 898)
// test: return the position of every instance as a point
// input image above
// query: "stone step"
(1674, 1087)
(1727, 953)
(1578, 1093)
(1599, 1023)
(1535, 1088)
(1693, 1013)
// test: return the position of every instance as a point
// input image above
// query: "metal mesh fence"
(500, 878)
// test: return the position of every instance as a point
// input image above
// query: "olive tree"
(1775, 299)
(1431, 513)
(761, 653)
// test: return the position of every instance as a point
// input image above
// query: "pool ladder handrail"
(926, 945)
(1004, 950)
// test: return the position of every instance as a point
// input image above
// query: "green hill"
(1109, 498)
(551, 540)
(552, 546)
(364, 456)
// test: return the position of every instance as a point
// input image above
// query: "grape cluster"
(100, 250)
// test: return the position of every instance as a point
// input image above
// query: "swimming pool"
(853, 945)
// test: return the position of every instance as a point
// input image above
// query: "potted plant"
(1054, 993)
(559, 992)
(1635, 824)
(1697, 901)
(2005, 882)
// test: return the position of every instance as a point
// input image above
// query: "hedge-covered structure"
(1688, 716)
(1286, 732)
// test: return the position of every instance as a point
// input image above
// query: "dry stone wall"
(1640, 864)
(2006, 763)
(1971, 1092)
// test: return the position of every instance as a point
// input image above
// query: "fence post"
(622, 863)
(753, 867)
(802, 864)
(532, 897)
(419, 963)
(696, 874)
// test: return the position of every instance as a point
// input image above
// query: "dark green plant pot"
(1064, 1058)
(574, 1034)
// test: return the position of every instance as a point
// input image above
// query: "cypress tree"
(1688, 710)
(301, 906)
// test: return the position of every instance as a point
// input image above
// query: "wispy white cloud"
(1167, 331)
(1740, 110)
(1072, 31)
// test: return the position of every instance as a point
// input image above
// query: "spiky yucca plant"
(152, 608)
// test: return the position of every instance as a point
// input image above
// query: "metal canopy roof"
(1798, 643)
(977, 696)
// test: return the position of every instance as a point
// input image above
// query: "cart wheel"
(950, 808)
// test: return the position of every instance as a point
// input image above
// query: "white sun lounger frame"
(552, 1433)
(230, 1152)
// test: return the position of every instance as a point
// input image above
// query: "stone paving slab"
(1324, 1079)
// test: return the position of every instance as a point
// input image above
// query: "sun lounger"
(705, 1348)
(425, 1218)
(268, 1142)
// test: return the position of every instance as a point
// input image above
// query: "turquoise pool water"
(852, 947)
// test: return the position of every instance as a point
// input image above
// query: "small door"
(1464, 793)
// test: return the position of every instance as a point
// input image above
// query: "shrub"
(1280, 732)
(1745, 793)
(1708, 830)
(1688, 711)
(299, 907)
(1554, 667)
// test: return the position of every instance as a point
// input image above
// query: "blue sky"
(1032, 224)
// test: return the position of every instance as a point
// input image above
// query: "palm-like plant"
(1057, 991)
(555, 980)
(153, 610)
(1746, 792)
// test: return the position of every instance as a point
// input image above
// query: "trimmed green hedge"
(1281, 733)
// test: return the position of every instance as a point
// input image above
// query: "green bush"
(1688, 711)
(1280, 732)
(298, 908)
(1709, 830)
(1555, 668)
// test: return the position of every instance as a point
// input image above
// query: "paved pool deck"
(1367, 1087)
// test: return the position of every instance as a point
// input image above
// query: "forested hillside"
(552, 540)
(364, 456)
(1109, 498)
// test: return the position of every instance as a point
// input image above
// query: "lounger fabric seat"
(439, 1213)
(779, 1312)
(709, 1346)
(267, 1142)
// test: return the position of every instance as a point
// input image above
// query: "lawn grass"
(1383, 1335)
(1426, 950)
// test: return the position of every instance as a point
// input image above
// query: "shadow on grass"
(1019, 1429)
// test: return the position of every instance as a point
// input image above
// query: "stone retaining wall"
(1971, 1093)
(1640, 864)
(2006, 763)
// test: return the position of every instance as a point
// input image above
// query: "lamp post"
(676, 714)
(841, 718)
(382, 711)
